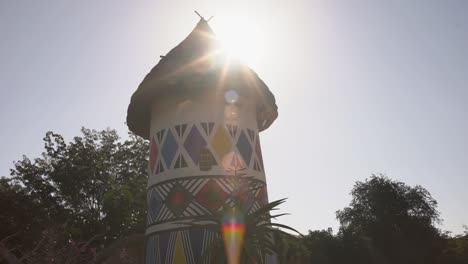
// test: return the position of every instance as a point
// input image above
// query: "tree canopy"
(94, 185)
(396, 221)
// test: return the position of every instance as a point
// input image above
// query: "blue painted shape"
(169, 148)
(244, 147)
(194, 144)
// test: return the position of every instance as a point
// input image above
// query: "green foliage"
(456, 249)
(291, 249)
(93, 185)
(386, 222)
(394, 221)
(260, 231)
(324, 247)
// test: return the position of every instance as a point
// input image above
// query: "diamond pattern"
(211, 195)
(178, 199)
(221, 143)
(169, 148)
(195, 197)
(194, 144)
(243, 145)
(154, 151)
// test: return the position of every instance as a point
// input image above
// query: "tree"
(292, 249)
(456, 249)
(324, 247)
(394, 221)
(92, 186)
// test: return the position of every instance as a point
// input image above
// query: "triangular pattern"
(196, 241)
(160, 135)
(209, 238)
(154, 153)
(205, 128)
(251, 134)
(164, 246)
(187, 246)
(180, 130)
(199, 196)
(184, 127)
(180, 162)
(244, 147)
(236, 163)
(179, 255)
(183, 163)
(159, 167)
(232, 130)
(210, 127)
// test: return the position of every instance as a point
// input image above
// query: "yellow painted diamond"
(221, 142)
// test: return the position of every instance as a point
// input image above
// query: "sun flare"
(241, 39)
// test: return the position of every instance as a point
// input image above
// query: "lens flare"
(231, 96)
(233, 235)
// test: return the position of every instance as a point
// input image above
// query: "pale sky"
(362, 86)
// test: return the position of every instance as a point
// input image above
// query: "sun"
(241, 39)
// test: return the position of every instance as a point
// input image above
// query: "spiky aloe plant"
(253, 232)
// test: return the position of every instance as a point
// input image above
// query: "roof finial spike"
(200, 15)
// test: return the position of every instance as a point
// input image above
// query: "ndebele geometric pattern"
(183, 246)
(197, 196)
(204, 145)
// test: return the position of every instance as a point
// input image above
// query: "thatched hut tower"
(202, 114)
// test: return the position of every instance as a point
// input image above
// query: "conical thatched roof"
(187, 71)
